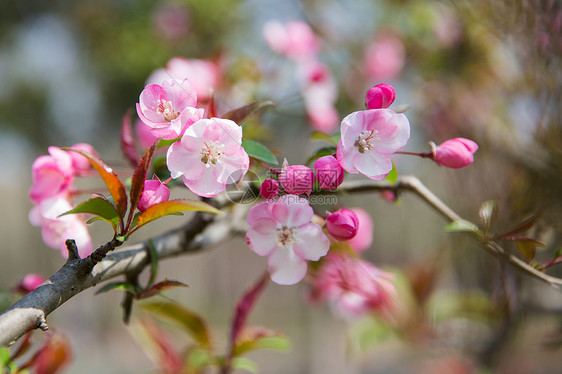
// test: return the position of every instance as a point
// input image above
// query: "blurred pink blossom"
(154, 192)
(364, 237)
(283, 231)
(455, 153)
(269, 189)
(205, 75)
(171, 20)
(30, 282)
(342, 224)
(380, 96)
(385, 57)
(295, 39)
(352, 287)
(80, 164)
(329, 172)
(368, 138)
(209, 156)
(51, 175)
(296, 179)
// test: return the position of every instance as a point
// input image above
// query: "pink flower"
(56, 229)
(296, 179)
(385, 58)
(269, 189)
(294, 39)
(368, 138)
(144, 134)
(203, 74)
(353, 287)
(154, 192)
(209, 156)
(329, 172)
(171, 20)
(30, 282)
(342, 224)
(364, 237)
(455, 153)
(52, 175)
(169, 109)
(380, 96)
(80, 163)
(283, 231)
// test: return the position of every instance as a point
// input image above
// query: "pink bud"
(296, 179)
(269, 189)
(329, 172)
(154, 192)
(455, 153)
(364, 237)
(80, 164)
(30, 282)
(380, 96)
(343, 224)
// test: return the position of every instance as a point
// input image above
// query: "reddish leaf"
(169, 359)
(523, 239)
(238, 115)
(173, 207)
(113, 183)
(552, 261)
(127, 141)
(159, 287)
(254, 338)
(211, 107)
(52, 357)
(137, 184)
(525, 225)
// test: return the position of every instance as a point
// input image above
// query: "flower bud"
(30, 282)
(455, 153)
(380, 96)
(364, 237)
(269, 189)
(329, 172)
(154, 192)
(343, 224)
(296, 179)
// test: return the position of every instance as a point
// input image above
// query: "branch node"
(72, 250)
(42, 323)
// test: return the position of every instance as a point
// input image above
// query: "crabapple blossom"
(342, 224)
(282, 230)
(385, 58)
(209, 156)
(80, 164)
(269, 189)
(52, 175)
(144, 134)
(380, 96)
(170, 108)
(30, 282)
(455, 153)
(364, 236)
(154, 192)
(296, 179)
(368, 138)
(56, 229)
(294, 39)
(329, 172)
(352, 287)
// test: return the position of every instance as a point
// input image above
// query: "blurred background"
(487, 71)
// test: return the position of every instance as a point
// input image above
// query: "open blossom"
(296, 179)
(283, 231)
(455, 153)
(380, 96)
(56, 229)
(352, 287)
(169, 109)
(154, 192)
(52, 175)
(364, 236)
(209, 156)
(329, 172)
(385, 58)
(294, 39)
(368, 138)
(342, 224)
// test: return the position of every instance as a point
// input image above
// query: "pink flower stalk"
(269, 189)
(380, 96)
(296, 179)
(385, 58)
(30, 282)
(295, 39)
(52, 175)
(56, 229)
(329, 172)
(352, 287)
(283, 231)
(80, 163)
(205, 75)
(154, 192)
(209, 156)
(169, 109)
(364, 236)
(342, 224)
(455, 153)
(368, 138)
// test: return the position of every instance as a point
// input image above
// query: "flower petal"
(313, 243)
(373, 165)
(285, 267)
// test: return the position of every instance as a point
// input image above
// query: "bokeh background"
(488, 71)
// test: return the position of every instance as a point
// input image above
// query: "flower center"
(166, 109)
(211, 153)
(366, 140)
(286, 236)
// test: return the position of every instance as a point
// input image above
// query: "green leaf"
(258, 151)
(99, 207)
(243, 363)
(198, 359)
(160, 287)
(4, 357)
(190, 321)
(166, 143)
(173, 207)
(238, 115)
(392, 177)
(324, 151)
(488, 213)
(461, 226)
(332, 139)
(113, 183)
(122, 286)
(527, 249)
(276, 342)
